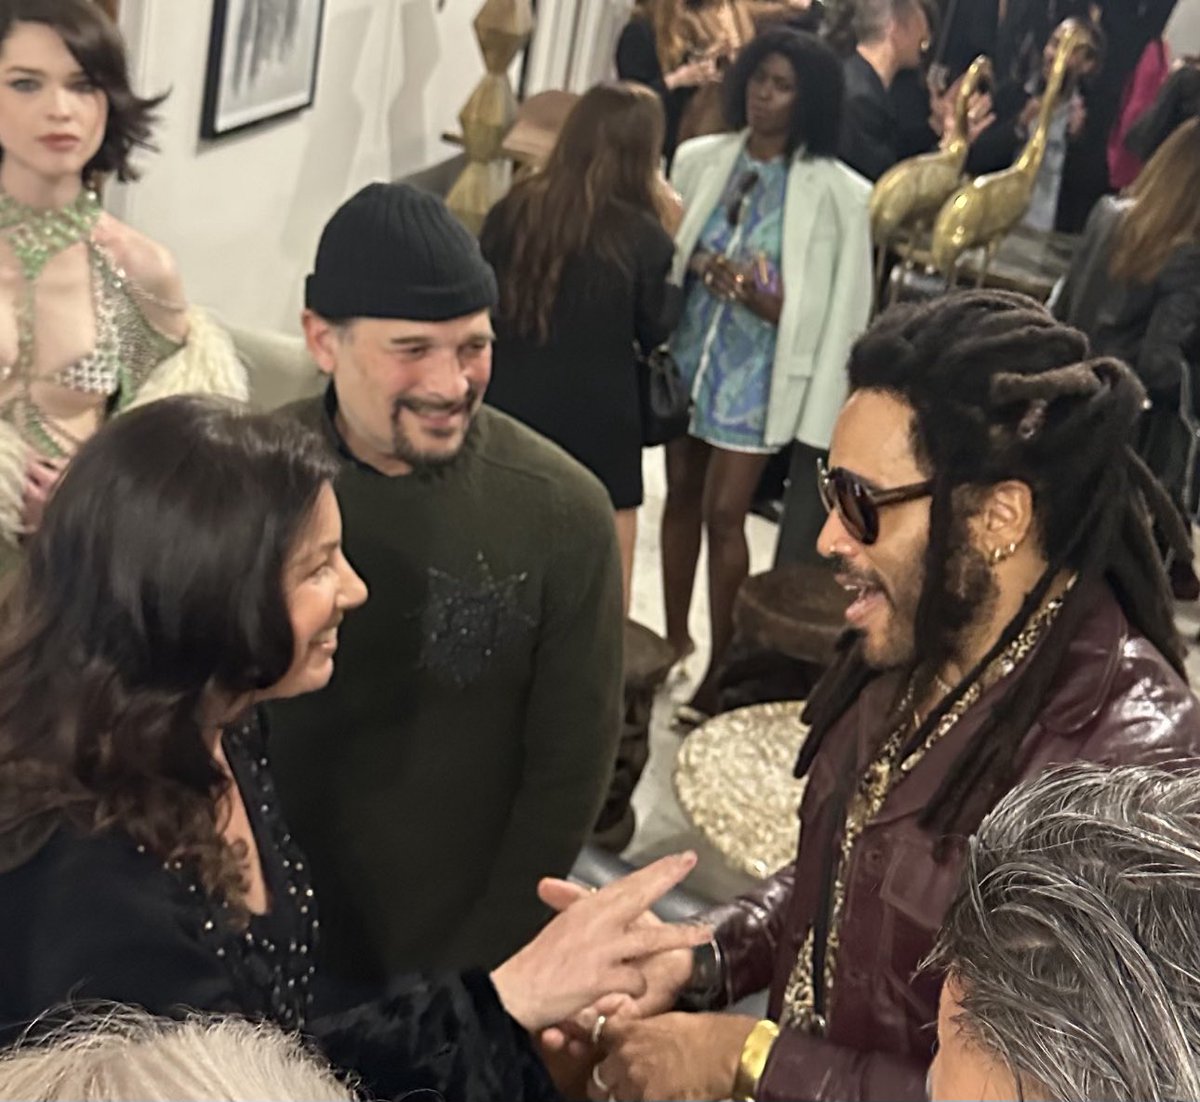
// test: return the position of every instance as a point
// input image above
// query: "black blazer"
(1154, 327)
(579, 387)
(869, 123)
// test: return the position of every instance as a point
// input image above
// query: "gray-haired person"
(123, 1053)
(1073, 950)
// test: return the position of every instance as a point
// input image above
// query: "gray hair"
(1075, 939)
(869, 19)
(125, 1054)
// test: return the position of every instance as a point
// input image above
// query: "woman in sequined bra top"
(93, 318)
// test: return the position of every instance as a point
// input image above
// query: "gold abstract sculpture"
(983, 211)
(502, 28)
(909, 195)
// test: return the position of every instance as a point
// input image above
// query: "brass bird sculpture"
(909, 195)
(984, 210)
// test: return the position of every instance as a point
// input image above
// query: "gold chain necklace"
(882, 775)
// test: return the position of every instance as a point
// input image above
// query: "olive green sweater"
(464, 746)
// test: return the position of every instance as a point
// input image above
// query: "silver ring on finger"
(601, 1085)
(598, 1028)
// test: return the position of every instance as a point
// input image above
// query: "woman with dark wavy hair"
(189, 567)
(668, 48)
(93, 318)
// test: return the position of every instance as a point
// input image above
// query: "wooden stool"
(535, 130)
(648, 660)
(785, 624)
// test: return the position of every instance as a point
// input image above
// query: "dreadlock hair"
(1001, 391)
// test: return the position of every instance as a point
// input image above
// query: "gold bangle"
(753, 1060)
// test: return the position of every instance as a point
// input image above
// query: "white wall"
(1183, 31)
(242, 214)
(575, 43)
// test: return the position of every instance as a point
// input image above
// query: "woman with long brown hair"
(1134, 288)
(680, 48)
(582, 252)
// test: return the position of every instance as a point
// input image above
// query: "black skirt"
(588, 409)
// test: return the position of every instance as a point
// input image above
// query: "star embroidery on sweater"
(465, 622)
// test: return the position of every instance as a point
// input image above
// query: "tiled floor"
(662, 825)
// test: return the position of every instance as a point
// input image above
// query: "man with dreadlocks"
(1011, 612)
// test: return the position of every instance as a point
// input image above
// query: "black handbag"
(666, 404)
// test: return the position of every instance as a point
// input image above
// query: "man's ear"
(1007, 517)
(322, 338)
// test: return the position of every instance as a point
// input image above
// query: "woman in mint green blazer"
(774, 255)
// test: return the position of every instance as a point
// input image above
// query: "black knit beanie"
(392, 251)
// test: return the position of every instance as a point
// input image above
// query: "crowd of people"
(305, 714)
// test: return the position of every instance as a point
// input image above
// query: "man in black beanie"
(464, 746)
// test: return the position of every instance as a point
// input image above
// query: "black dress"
(95, 918)
(579, 388)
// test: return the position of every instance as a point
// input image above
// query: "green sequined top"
(127, 348)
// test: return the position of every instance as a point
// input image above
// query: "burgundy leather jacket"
(1117, 701)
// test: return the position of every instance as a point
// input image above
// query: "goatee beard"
(419, 459)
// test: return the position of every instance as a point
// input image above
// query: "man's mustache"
(427, 405)
(842, 568)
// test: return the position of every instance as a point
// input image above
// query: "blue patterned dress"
(724, 352)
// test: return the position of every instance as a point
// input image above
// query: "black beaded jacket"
(94, 918)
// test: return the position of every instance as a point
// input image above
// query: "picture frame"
(263, 57)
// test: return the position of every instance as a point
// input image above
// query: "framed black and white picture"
(262, 62)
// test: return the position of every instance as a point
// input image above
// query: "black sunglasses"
(857, 504)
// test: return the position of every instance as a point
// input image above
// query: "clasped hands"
(725, 279)
(633, 1049)
(600, 945)
(732, 282)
